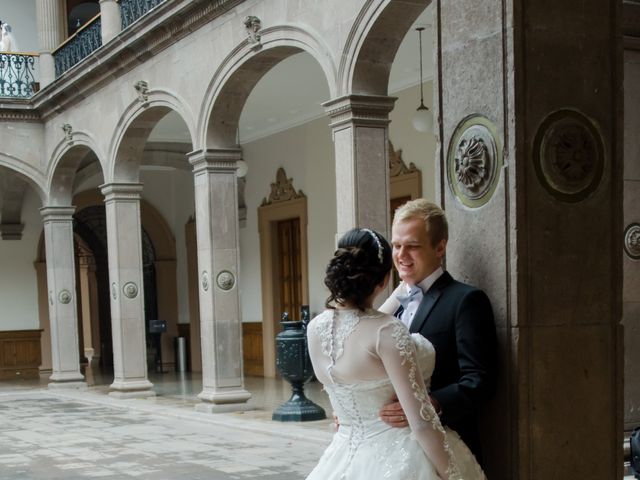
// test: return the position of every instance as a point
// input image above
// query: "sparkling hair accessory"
(377, 240)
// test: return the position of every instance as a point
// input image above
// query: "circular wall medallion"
(474, 160)
(632, 241)
(568, 155)
(130, 290)
(114, 290)
(205, 281)
(64, 296)
(225, 280)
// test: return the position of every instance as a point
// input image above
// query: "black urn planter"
(294, 364)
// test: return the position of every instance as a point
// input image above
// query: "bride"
(7, 40)
(363, 357)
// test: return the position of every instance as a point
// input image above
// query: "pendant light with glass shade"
(422, 119)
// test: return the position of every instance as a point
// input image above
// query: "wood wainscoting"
(252, 349)
(20, 354)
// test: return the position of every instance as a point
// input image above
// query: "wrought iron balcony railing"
(132, 10)
(78, 46)
(17, 78)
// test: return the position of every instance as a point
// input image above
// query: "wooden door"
(289, 271)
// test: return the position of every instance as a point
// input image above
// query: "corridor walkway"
(53, 434)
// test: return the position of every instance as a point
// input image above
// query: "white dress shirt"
(407, 315)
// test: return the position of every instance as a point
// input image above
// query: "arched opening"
(279, 122)
(20, 225)
(150, 149)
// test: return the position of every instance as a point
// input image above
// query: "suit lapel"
(428, 301)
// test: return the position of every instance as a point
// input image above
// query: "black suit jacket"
(458, 320)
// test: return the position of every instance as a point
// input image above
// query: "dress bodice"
(365, 357)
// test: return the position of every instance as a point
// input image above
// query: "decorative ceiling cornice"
(156, 31)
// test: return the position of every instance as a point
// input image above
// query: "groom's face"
(414, 256)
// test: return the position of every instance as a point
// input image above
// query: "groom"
(456, 318)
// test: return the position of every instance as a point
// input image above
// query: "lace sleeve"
(398, 354)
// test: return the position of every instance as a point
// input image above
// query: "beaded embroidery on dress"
(362, 358)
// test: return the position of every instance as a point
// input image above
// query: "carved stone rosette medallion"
(225, 280)
(632, 241)
(130, 290)
(205, 281)
(474, 160)
(64, 297)
(569, 155)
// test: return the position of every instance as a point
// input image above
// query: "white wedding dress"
(363, 358)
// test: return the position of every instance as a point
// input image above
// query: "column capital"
(222, 160)
(121, 191)
(60, 214)
(361, 109)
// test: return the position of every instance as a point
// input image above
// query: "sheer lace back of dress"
(363, 358)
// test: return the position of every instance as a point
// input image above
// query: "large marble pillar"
(217, 227)
(111, 22)
(124, 238)
(360, 135)
(530, 175)
(61, 287)
(631, 225)
(50, 18)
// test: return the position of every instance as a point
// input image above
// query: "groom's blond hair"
(433, 216)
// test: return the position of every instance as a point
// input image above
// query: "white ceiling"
(292, 92)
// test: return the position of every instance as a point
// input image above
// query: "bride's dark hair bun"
(360, 264)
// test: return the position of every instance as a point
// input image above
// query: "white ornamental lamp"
(422, 119)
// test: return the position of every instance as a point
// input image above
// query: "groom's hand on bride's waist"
(393, 415)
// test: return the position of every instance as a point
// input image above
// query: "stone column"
(530, 175)
(124, 238)
(360, 135)
(110, 20)
(43, 315)
(85, 305)
(50, 19)
(631, 225)
(61, 286)
(216, 199)
(194, 306)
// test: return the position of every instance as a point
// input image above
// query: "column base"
(132, 394)
(205, 407)
(131, 389)
(235, 398)
(67, 386)
(62, 377)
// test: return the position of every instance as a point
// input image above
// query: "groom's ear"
(441, 248)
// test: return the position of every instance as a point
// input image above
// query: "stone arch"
(373, 43)
(76, 152)
(133, 129)
(25, 172)
(243, 68)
